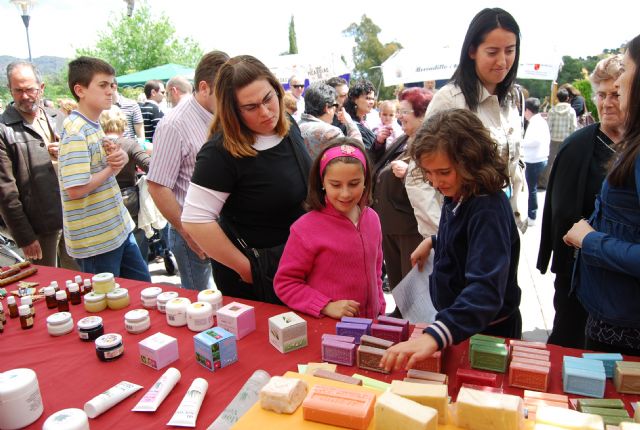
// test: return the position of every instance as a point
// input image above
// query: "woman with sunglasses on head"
(249, 180)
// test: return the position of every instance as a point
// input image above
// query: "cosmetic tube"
(114, 395)
(158, 392)
(187, 413)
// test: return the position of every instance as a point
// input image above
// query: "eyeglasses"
(298, 86)
(405, 112)
(266, 101)
(31, 92)
(334, 105)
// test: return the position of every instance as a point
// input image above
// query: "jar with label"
(20, 398)
(90, 328)
(67, 419)
(63, 301)
(94, 302)
(118, 299)
(149, 297)
(26, 319)
(137, 321)
(74, 294)
(211, 296)
(59, 324)
(103, 283)
(163, 298)
(13, 307)
(199, 316)
(109, 347)
(50, 297)
(176, 310)
(28, 301)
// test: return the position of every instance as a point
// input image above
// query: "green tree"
(369, 53)
(293, 43)
(576, 68)
(142, 41)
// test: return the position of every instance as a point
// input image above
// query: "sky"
(260, 28)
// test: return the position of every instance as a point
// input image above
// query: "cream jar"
(211, 296)
(137, 321)
(149, 297)
(20, 399)
(67, 419)
(59, 324)
(163, 298)
(118, 299)
(109, 347)
(200, 316)
(103, 283)
(94, 302)
(90, 328)
(176, 311)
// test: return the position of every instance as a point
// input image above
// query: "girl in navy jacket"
(474, 283)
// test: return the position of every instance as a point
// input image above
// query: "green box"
(600, 403)
(489, 357)
(605, 411)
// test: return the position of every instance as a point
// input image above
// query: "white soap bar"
(481, 410)
(540, 426)
(568, 418)
(393, 412)
(283, 395)
(432, 395)
(625, 425)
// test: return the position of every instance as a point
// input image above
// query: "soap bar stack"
(396, 412)
(530, 365)
(534, 399)
(354, 327)
(338, 349)
(476, 377)
(425, 377)
(431, 364)
(433, 396)
(488, 353)
(370, 353)
(583, 376)
(612, 411)
(608, 359)
(480, 410)
(626, 377)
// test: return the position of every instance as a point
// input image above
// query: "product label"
(34, 401)
(115, 353)
(83, 335)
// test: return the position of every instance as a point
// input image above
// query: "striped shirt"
(151, 115)
(178, 138)
(133, 114)
(98, 222)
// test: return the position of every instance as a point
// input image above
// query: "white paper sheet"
(412, 295)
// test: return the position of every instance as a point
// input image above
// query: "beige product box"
(158, 350)
(237, 318)
(287, 332)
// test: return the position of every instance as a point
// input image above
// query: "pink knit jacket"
(328, 258)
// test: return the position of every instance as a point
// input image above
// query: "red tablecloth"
(69, 372)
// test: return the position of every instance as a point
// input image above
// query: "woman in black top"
(249, 180)
(359, 103)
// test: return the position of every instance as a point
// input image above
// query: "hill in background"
(47, 65)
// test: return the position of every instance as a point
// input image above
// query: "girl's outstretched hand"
(421, 253)
(406, 354)
(341, 308)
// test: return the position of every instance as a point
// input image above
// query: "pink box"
(158, 350)
(388, 332)
(237, 318)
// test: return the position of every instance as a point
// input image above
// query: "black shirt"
(151, 116)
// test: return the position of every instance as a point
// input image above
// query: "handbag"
(131, 200)
(585, 119)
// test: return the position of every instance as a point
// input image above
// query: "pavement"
(536, 305)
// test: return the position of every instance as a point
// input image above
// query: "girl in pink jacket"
(332, 263)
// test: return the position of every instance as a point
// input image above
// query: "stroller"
(158, 248)
(10, 253)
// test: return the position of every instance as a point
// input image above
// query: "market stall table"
(70, 373)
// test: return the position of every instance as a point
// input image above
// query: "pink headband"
(342, 151)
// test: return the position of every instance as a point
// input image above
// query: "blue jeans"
(124, 261)
(195, 274)
(532, 173)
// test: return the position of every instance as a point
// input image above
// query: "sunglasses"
(298, 86)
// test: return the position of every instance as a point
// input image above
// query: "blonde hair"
(290, 103)
(113, 120)
(607, 68)
(67, 105)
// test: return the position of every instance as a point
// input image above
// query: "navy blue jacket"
(474, 280)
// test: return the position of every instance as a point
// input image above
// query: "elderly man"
(296, 88)
(29, 192)
(177, 88)
(151, 113)
(177, 141)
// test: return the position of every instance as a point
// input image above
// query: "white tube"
(158, 392)
(187, 413)
(114, 395)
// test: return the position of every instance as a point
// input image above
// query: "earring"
(322, 188)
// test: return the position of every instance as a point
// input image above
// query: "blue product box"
(215, 348)
(350, 329)
(356, 320)
(584, 382)
(608, 359)
(582, 363)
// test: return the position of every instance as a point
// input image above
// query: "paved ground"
(537, 289)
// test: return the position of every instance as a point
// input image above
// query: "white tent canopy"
(415, 65)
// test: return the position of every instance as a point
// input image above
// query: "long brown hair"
(460, 135)
(235, 74)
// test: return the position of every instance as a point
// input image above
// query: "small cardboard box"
(237, 318)
(158, 350)
(287, 332)
(215, 348)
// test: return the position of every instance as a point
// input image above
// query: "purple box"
(347, 339)
(338, 352)
(396, 321)
(356, 320)
(350, 329)
(388, 332)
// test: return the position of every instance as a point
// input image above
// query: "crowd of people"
(311, 197)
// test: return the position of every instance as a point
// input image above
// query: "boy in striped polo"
(97, 226)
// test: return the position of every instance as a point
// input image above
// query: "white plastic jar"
(137, 321)
(199, 316)
(59, 324)
(67, 419)
(176, 311)
(163, 298)
(20, 399)
(214, 297)
(103, 283)
(149, 297)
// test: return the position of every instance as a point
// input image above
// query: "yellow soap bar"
(432, 395)
(393, 412)
(568, 418)
(283, 395)
(311, 367)
(624, 425)
(482, 410)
